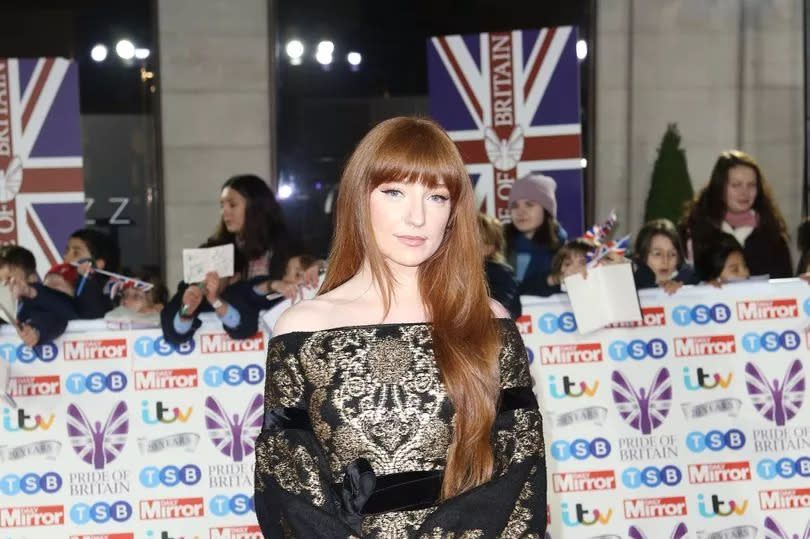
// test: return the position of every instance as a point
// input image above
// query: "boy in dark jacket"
(42, 313)
(92, 249)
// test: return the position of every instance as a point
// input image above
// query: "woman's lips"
(412, 241)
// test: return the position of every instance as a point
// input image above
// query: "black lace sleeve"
(293, 495)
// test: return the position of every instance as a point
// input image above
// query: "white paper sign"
(8, 305)
(607, 296)
(198, 262)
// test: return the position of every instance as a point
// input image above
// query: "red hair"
(466, 340)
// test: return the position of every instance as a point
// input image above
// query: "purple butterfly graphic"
(678, 533)
(775, 531)
(778, 403)
(234, 437)
(646, 409)
(93, 443)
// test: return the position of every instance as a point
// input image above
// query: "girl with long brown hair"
(738, 201)
(398, 402)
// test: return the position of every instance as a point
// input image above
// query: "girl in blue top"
(534, 234)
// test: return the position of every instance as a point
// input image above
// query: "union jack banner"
(41, 182)
(510, 101)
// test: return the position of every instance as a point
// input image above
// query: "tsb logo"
(170, 476)
(148, 347)
(240, 504)
(784, 468)
(570, 388)
(715, 440)
(30, 483)
(719, 507)
(580, 449)
(651, 476)
(100, 512)
(25, 354)
(551, 323)
(637, 349)
(701, 314)
(95, 382)
(770, 341)
(704, 380)
(233, 375)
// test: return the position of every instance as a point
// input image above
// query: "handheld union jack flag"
(41, 183)
(510, 101)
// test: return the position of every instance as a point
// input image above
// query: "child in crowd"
(723, 263)
(534, 234)
(92, 248)
(659, 258)
(236, 303)
(500, 278)
(803, 243)
(569, 260)
(42, 313)
(137, 307)
(296, 268)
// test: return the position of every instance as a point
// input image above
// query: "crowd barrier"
(692, 421)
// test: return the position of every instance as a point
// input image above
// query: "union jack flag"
(510, 101)
(41, 182)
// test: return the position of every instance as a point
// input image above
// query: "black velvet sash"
(362, 492)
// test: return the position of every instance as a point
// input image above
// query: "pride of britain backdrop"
(692, 424)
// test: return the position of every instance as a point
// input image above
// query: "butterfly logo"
(11, 180)
(93, 443)
(777, 403)
(678, 533)
(504, 154)
(774, 531)
(645, 409)
(235, 436)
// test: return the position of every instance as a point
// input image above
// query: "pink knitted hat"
(538, 188)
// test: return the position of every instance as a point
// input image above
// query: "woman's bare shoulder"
(308, 315)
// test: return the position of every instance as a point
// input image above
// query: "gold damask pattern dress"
(357, 426)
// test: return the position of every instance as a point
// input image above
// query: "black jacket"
(503, 287)
(239, 295)
(92, 303)
(644, 277)
(48, 313)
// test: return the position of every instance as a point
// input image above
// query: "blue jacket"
(532, 263)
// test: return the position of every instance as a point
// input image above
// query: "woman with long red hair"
(398, 402)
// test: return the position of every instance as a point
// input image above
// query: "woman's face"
(527, 216)
(232, 207)
(409, 221)
(735, 268)
(741, 189)
(662, 258)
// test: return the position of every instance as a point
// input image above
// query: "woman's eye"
(392, 192)
(439, 198)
